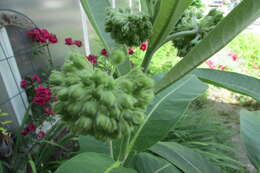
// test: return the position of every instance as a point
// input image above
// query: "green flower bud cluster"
(126, 28)
(193, 20)
(96, 104)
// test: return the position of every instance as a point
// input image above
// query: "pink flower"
(131, 51)
(210, 63)
(53, 39)
(68, 41)
(24, 132)
(36, 78)
(77, 43)
(24, 84)
(42, 95)
(233, 56)
(31, 127)
(104, 52)
(222, 67)
(45, 33)
(92, 59)
(144, 46)
(255, 67)
(41, 134)
(48, 110)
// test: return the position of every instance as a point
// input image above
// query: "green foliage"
(163, 60)
(215, 40)
(93, 103)
(233, 81)
(183, 158)
(3, 123)
(242, 45)
(250, 133)
(166, 109)
(127, 28)
(193, 27)
(207, 133)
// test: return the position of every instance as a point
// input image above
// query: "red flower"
(104, 52)
(92, 59)
(222, 67)
(36, 78)
(68, 41)
(233, 56)
(45, 33)
(53, 39)
(31, 127)
(24, 132)
(42, 95)
(41, 134)
(77, 43)
(131, 51)
(48, 110)
(144, 46)
(24, 84)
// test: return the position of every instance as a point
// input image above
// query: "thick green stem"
(124, 148)
(147, 59)
(111, 149)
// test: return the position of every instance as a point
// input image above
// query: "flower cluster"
(30, 128)
(42, 95)
(42, 36)
(91, 102)
(233, 56)
(92, 59)
(69, 41)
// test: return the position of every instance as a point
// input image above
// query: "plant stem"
(111, 149)
(147, 59)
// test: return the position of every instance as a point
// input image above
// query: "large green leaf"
(1, 168)
(166, 109)
(96, 12)
(90, 163)
(243, 15)
(250, 135)
(168, 15)
(90, 144)
(183, 158)
(123, 170)
(148, 163)
(236, 82)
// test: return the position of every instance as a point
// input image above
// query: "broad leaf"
(168, 15)
(166, 109)
(183, 158)
(90, 163)
(123, 170)
(236, 82)
(90, 144)
(148, 163)
(243, 15)
(96, 12)
(250, 135)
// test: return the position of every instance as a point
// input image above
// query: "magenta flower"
(210, 63)
(53, 39)
(36, 78)
(144, 46)
(41, 134)
(131, 51)
(92, 59)
(31, 127)
(77, 43)
(24, 132)
(68, 41)
(104, 52)
(222, 67)
(42, 95)
(233, 56)
(23, 84)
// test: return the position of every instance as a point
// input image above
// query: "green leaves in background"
(149, 163)
(166, 109)
(235, 82)
(1, 168)
(250, 135)
(90, 144)
(96, 13)
(89, 162)
(243, 15)
(183, 158)
(168, 15)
